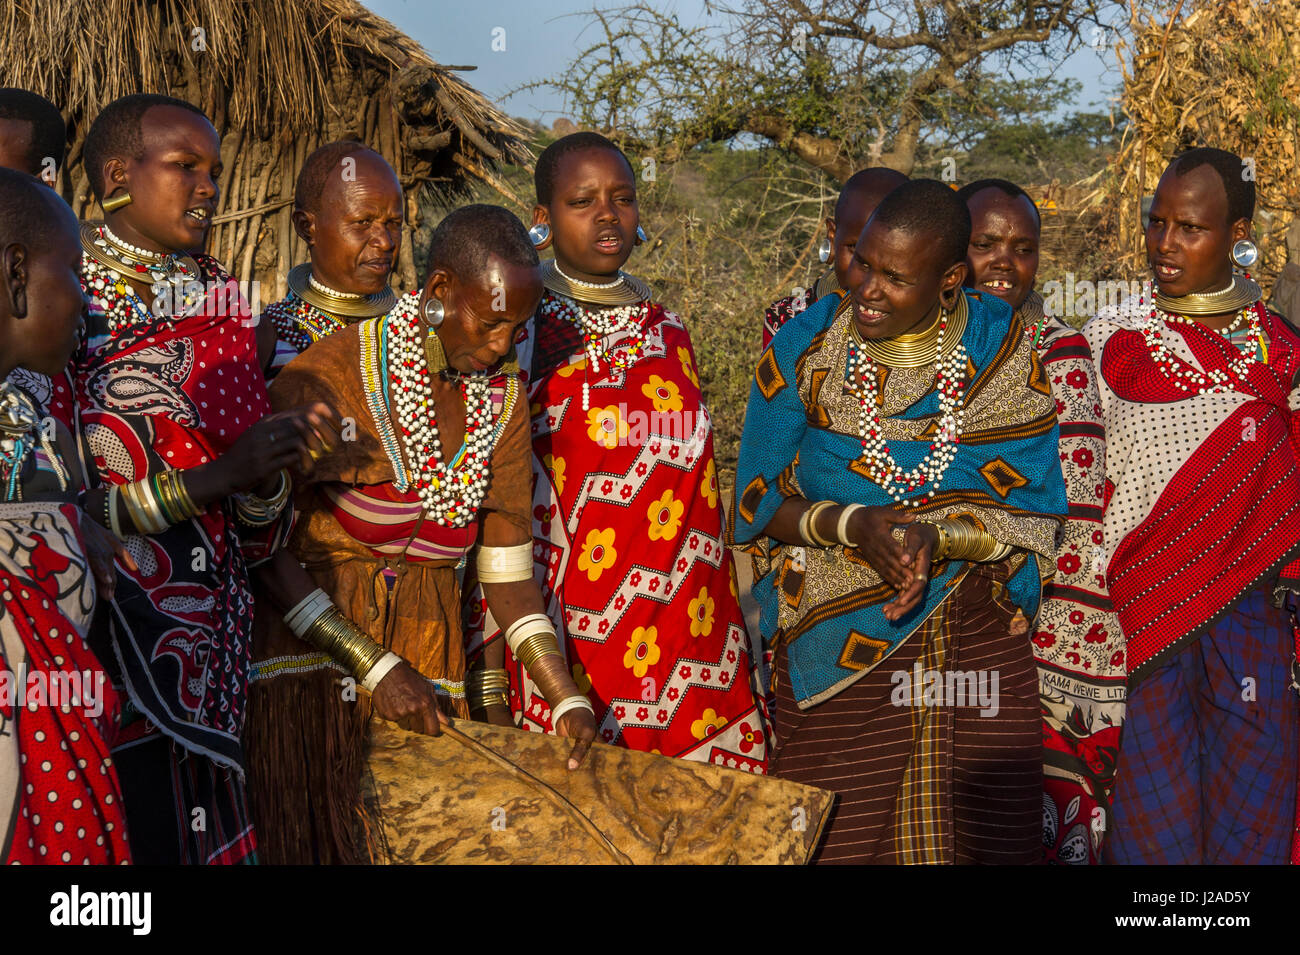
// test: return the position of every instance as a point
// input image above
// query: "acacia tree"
(838, 84)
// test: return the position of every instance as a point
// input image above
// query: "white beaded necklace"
(581, 284)
(451, 492)
(596, 325)
(326, 290)
(1182, 375)
(881, 466)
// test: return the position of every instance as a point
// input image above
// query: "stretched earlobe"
(15, 280)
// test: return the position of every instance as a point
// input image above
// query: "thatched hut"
(277, 78)
(1223, 74)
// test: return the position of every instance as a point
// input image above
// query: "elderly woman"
(176, 413)
(347, 207)
(909, 409)
(1198, 391)
(437, 463)
(1076, 638)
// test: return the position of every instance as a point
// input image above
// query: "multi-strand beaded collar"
(109, 262)
(312, 311)
(940, 345)
(620, 310)
(1034, 319)
(394, 358)
(1241, 296)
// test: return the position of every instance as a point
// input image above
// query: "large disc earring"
(640, 235)
(117, 202)
(538, 234)
(434, 312)
(1244, 254)
(824, 251)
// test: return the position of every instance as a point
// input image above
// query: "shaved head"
(327, 161)
(29, 212)
(865, 188)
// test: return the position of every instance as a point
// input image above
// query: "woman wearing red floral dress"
(1077, 641)
(627, 522)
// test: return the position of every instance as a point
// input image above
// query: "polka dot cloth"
(70, 803)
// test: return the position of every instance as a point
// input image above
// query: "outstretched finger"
(579, 753)
(431, 719)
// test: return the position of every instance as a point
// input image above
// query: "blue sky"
(541, 36)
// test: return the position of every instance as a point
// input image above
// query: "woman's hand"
(407, 699)
(579, 725)
(287, 439)
(872, 532)
(918, 546)
(101, 549)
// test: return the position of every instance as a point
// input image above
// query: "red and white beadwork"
(1181, 374)
(950, 372)
(451, 491)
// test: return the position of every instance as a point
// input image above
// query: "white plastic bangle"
(842, 527)
(379, 671)
(305, 612)
(570, 703)
(502, 565)
(525, 627)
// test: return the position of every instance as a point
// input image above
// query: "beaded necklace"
(1184, 376)
(451, 491)
(20, 432)
(598, 326)
(300, 323)
(109, 262)
(881, 467)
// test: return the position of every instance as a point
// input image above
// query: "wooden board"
(438, 800)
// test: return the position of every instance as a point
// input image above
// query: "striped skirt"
(936, 754)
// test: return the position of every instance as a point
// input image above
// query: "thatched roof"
(1223, 74)
(276, 77)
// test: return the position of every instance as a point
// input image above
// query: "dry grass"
(1223, 74)
(277, 78)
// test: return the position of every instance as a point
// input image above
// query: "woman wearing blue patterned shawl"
(899, 488)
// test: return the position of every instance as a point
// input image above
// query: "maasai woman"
(857, 200)
(626, 516)
(176, 414)
(60, 801)
(33, 139)
(1198, 390)
(347, 207)
(1076, 639)
(906, 407)
(386, 521)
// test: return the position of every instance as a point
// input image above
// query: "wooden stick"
(551, 793)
